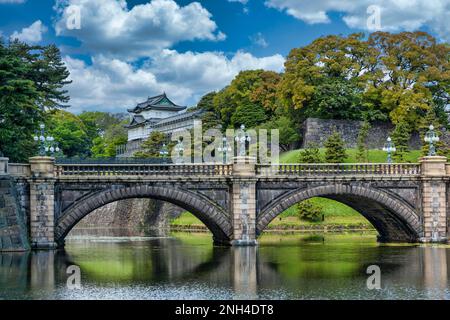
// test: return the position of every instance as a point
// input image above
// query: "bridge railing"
(19, 169)
(143, 170)
(325, 169)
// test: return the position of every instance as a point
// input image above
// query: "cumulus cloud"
(109, 84)
(109, 27)
(396, 15)
(31, 34)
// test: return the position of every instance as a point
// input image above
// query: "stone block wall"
(132, 213)
(318, 130)
(13, 221)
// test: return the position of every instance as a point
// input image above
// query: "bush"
(311, 154)
(309, 211)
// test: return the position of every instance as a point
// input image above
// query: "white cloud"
(396, 15)
(113, 85)
(12, 1)
(31, 34)
(109, 27)
(240, 1)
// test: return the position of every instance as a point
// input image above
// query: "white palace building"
(158, 113)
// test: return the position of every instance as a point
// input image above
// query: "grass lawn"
(335, 214)
(375, 156)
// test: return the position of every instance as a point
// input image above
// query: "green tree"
(335, 149)
(336, 98)
(396, 76)
(249, 114)
(70, 133)
(287, 131)
(151, 147)
(31, 81)
(309, 211)
(362, 154)
(401, 136)
(253, 89)
(311, 154)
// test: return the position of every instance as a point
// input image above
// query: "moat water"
(120, 265)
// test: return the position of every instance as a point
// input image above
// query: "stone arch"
(393, 218)
(212, 215)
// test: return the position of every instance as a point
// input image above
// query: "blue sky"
(125, 51)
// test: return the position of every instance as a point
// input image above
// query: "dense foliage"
(31, 83)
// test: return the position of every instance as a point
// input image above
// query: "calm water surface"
(115, 265)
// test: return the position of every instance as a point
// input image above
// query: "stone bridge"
(404, 202)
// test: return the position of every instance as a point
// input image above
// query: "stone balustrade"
(327, 169)
(19, 169)
(143, 170)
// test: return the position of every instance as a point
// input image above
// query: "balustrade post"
(3, 166)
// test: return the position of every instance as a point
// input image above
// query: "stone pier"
(244, 202)
(434, 199)
(42, 203)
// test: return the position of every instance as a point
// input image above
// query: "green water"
(187, 266)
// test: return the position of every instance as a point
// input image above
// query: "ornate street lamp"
(389, 147)
(164, 152)
(241, 138)
(225, 149)
(431, 137)
(179, 148)
(47, 144)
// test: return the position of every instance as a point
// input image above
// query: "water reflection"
(187, 266)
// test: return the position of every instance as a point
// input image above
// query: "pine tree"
(362, 147)
(151, 147)
(335, 149)
(401, 136)
(311, 154)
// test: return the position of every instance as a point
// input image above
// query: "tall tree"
(32, 80)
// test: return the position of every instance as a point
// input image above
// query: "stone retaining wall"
(132, 213)
(318, 130)
(13, 230)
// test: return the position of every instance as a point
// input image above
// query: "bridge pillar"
(434, 199)
(42, 207)
(243, 202)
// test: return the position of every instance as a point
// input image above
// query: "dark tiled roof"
(161, 102)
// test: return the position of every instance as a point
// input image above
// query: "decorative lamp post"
(389, 147)
(431, 137)
(225, 149)
(164, 152)
(179, 148)
(46, 143)
(241, 138)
